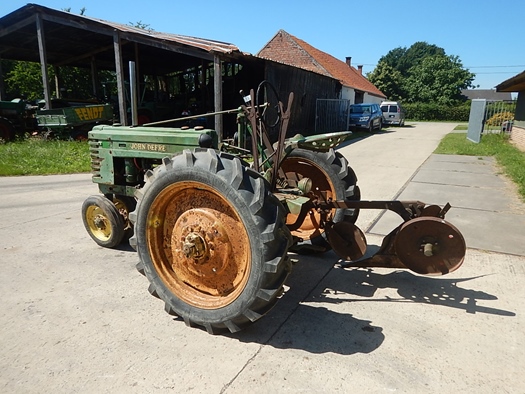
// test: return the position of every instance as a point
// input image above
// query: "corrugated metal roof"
(195, 42)
(75, 40)
(31, 9)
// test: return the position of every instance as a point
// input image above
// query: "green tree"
(438, 79)
(421, 73)
(416, 54)
(402, 58)
(387, 79)
(25, 80)
(394, 57)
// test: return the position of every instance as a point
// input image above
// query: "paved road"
(78, 318)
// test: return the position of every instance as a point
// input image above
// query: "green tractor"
(213, 222)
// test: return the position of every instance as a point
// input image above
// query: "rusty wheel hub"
(202, 254)
(194, 246)
(203, 248)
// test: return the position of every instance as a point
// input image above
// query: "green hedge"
(419, 111)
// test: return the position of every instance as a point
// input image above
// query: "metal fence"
(499, 116)
(331, 115)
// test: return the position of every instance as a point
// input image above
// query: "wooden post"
(119, 68)
(94, 76)
(217, 88)
(138, 78)
(43, 58)
(58, 82)
(133, 94)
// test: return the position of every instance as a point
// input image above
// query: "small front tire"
(103, 221)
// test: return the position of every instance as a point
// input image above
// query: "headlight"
(364, 118)
(205, 141)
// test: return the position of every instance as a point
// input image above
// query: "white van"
(393, 113)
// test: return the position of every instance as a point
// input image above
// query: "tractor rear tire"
(329, 172)
(211, 239)
(103, 221)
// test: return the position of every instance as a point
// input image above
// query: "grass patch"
(40, 157)
(511, 159)
(461, 127)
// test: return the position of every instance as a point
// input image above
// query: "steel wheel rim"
(296, 168)
(98, 223)
(198, 244)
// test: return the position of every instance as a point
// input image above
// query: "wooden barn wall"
(307, 88)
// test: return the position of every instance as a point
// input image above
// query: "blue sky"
(488, 36)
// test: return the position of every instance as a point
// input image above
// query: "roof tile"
(288, 49)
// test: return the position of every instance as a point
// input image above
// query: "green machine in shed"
(213, 221)
(75, 121)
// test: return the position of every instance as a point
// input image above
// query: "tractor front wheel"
(103, 221)
(211, 239)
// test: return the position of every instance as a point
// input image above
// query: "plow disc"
(347, 240)
(430, 246)
(427, 245)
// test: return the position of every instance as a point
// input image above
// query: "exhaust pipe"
(133, 93)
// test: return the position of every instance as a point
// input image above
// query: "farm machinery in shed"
(213, 222)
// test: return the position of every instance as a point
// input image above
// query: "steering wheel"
(270, 114)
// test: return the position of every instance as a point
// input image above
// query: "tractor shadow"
(314, 330)
(296, 322)
(364, 283)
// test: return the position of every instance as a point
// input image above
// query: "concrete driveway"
(78, 318)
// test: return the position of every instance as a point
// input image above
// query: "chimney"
(349, 61)
(360, 69)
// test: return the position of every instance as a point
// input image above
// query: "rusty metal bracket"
(279, 150)
(406, 209)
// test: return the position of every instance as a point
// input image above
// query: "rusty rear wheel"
(206, 261)
(211, 239)
(330, 173)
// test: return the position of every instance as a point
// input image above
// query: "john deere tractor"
(213, 221)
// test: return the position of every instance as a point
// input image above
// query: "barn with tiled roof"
(288, 49)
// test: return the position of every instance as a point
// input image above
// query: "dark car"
(366, 116)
